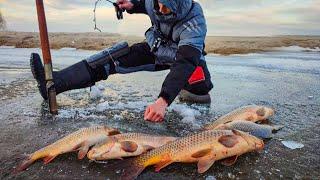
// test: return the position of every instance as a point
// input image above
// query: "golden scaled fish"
(126, 145)
(251, 113)
(80, 141)
(204, 148)
(258, 130)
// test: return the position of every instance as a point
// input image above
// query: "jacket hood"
(179, 8)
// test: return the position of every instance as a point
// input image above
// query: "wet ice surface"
(287, 81)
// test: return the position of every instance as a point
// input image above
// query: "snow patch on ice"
(7, 47)
(73, 113)
(68, 49)
(136, 106)
(96, 92)
(189, 115)
(296, 49)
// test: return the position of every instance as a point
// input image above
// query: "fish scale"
(188, 142)
(204, 147)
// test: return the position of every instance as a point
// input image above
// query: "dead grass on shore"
(214, 44)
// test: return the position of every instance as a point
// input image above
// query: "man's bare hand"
(156, 111)
(125, 4)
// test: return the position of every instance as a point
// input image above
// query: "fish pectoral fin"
(201, 153)
(83, 149)
(264, 121)
(228, 140)
(205, 163)
(147, 147)
(129, 146)
(261, 112)
(230, 160)
(48, 159)
(162, 164)
(114, 132)
(165, 161)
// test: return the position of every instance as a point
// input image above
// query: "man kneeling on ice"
(175, 41)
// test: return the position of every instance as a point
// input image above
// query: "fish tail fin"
(24, 164)
(264, 133)
(128, 169)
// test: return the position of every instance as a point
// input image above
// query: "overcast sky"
(224, 17)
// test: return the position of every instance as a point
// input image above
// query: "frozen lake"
(287, 80)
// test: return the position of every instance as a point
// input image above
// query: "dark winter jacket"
(184, 30)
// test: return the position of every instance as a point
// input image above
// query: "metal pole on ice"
(44, 39)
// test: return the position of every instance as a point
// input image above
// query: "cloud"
(232, 17)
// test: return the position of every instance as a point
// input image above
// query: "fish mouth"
(259, 146)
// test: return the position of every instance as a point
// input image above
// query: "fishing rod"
(119, 12)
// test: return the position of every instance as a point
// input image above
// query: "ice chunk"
(188, 114)
(95, 92)
(102, 106)
(210, 178)
(292, 144)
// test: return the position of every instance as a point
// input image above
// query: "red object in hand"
(197, 76)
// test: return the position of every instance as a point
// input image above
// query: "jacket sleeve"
(188, 56)
(138, 7)
(187, 59)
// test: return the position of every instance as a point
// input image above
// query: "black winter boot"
(76, 76)
(73, 77)
(38, 73)
(186, 96)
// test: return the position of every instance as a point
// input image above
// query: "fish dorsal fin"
(201, 153)
(230, 160)
(261, 112)
(129, 146)
(147, 147)
(205, 163)
(228, 140)
(166, 161)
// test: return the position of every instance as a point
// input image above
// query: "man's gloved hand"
(125, 4)
(156, 111)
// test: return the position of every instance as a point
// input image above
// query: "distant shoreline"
(223, 45)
